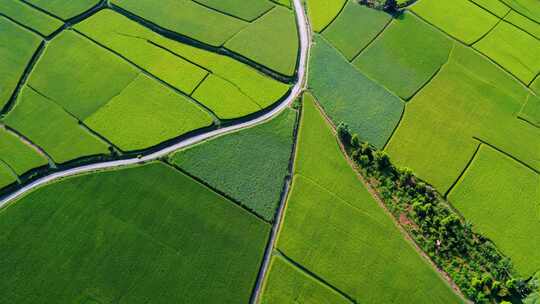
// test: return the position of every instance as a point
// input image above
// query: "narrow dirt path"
(304, 35)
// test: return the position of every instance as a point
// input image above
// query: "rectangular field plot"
(171, 59)
(18, 155)
(143, 234)
(271, 40)
(496, 7)
(187, 18)
(470, 98)
(524, 23)
(322, 12)
(515, 50)
(407, 54)
(347, 95)
(359, 250)
(224, 99)
(17, 46)
(146, 113)
(34, 19)
(500, 197)
(354, 28)
(286, 283)
(134, 42)
(472, 25)
(65, 9)
(249, 165)
(51, 128)
(77, 74)
(246, 10)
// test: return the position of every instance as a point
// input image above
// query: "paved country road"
(304, 35)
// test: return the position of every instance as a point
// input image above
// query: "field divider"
(31, 144)
(314, 276)
(462, 173)
(380, 33)
(507, 154)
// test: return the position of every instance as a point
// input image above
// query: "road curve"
(304, 35)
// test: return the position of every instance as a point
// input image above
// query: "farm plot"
(535, 86)
(496, 7)
(286, 283)
(246, 10)
(406, 56)
(272, 40)
(7, 177)
(443, 14)
(322, 12)
(524, 23)
(76, 74)
(528, 8)
(18, 155)
(471, 99)
(354, 28)
(17, 46)
(137, 235)
(30, 17)
(515, 50)
(146, 113)
(359, 250)
(500, 197)
(249, 166)
(51, 128)
(185, 67)
(187, 18)
(348, 95)
(65, 9)
(531, 110)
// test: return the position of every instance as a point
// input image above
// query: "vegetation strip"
(471, 260)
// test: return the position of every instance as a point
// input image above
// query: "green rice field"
(64, 9)
(20, 156)
(30, 17)
(129, 235)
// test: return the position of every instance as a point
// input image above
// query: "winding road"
(304, 35)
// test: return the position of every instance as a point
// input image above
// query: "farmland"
(359, 251)
(249, 165)
(269, 151)
(131, 234)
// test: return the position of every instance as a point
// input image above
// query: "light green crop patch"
(354, 28)
(79, 75)
(34, 19)
(470, 98)
(142, 234)
(349, 96)
(6, 176)
(529, 8)
(249, 165)
(443, 14)
(187, 18)
(138, 44)
(406, 56)
(359, 250)
(531, 110)
(146, 113)
(286, 3)
(17, 154)
(271, 40)
(17, 47)
(496, 7)
(224, 99)
(500, 197)
(246, 10)
(286, 283)
(51, 128)
(322, 12)
(65, 9)
(515, 50)
(524, 23)
(535, 86)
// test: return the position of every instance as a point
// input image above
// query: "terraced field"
(202, 151)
